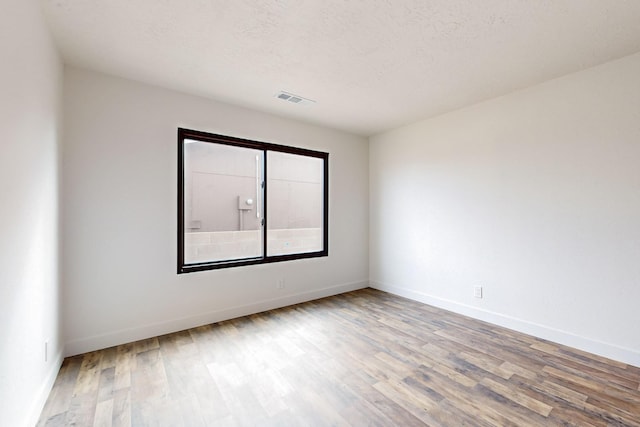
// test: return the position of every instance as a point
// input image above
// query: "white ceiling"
(371, 65)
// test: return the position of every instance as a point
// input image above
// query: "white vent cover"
(295, 99)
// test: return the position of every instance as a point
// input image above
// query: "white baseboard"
(43, 393)
(97, 342)
(611, 351)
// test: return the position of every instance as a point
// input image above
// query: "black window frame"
(184, 134)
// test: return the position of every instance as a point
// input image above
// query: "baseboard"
(123, 336)
(43, 393)
(611, 351)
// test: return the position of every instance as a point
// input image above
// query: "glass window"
(244, 202)
(296, 190)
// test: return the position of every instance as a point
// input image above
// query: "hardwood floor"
(364, 358)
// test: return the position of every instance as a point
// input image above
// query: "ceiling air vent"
(295, 99)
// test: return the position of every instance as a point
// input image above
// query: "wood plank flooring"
(365, 358)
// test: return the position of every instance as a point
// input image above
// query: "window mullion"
(264, 204)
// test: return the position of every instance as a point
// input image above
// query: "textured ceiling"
(371, 65)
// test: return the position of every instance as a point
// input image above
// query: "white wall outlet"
(477, 291)
(280, 284)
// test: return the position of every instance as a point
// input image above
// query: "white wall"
(30, 88)
(120, 163)
(535, 196)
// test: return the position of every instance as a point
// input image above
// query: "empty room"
(320, 213)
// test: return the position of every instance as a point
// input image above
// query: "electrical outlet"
(280, 284)
(46, 351)
(477, 291)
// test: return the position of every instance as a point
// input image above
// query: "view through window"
(246, 202)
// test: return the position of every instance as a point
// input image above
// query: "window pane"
(222, 197)
(295, 203)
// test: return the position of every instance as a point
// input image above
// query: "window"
(243, 202)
